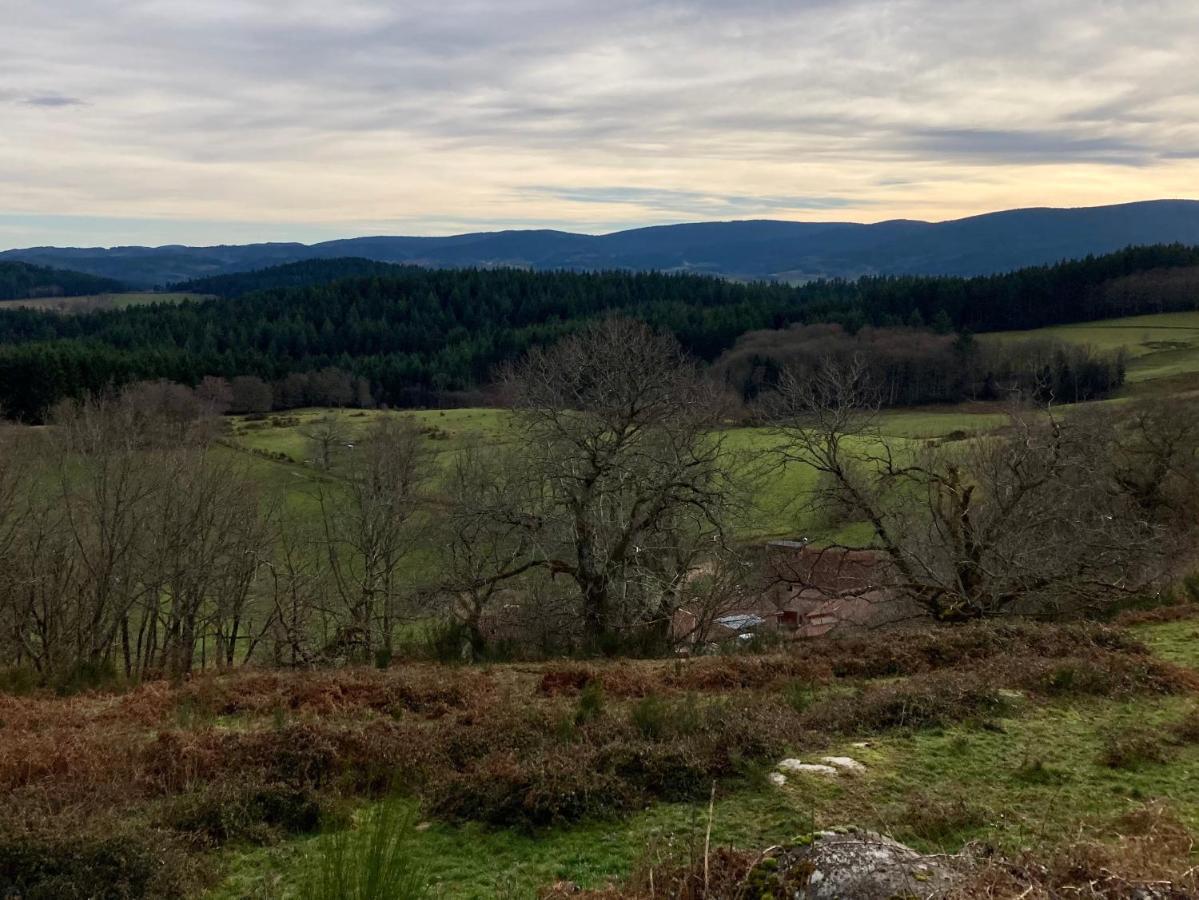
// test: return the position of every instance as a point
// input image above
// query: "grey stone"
(862, 865)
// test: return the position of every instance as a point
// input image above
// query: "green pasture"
(1159, 346)
(776, 494)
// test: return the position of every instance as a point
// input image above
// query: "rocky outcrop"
(864, 865)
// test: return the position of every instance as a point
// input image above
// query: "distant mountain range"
(763, 249)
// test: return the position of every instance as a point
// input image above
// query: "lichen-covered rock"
(863, 865)
(845, 763)
(800, 767)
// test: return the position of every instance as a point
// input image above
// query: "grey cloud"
(53, 101)
(693, 202)
(1028, 146)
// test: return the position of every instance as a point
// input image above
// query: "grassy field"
(1158, 346)
(91, 302)
(777, 493)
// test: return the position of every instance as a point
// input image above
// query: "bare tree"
(328, 438)
(1025, 520)
(1153, 448)
(39, 588)
(369, 518)
(215, 394)
(250, 394)
(297, 614)
(22, 635)
(488, 537)
(625, 479)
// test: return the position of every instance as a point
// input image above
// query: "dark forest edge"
(417, 336)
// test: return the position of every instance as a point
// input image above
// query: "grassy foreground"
(1016, 734)
(1037, 776)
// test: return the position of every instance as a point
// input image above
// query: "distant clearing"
(92, 302)
(1164, 345)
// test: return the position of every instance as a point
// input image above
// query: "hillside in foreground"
(1077, 740)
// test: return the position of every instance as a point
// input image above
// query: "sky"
(231, 121)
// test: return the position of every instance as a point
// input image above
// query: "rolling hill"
(790, 251)
(23, 281)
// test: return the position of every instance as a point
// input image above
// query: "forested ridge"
(404, 328)
(22, 281)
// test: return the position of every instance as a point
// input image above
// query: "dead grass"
(1150, 857)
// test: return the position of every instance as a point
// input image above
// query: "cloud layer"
(154, 120)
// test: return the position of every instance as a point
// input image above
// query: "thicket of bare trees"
(133, 541)
(125, 538)
(912, 366)
(1055, 512)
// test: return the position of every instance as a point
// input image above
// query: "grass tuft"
(370, 862)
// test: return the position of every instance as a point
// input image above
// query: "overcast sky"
(207, 121)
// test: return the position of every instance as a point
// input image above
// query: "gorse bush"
(86, 675)
(370, 862)
(18, 680)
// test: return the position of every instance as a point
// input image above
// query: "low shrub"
(551, 789)
(657, 719)
(924, 701)
(799, 695)
(297, 755)
(914, 651)
(1152, 858)
(591, 703)
(1186, 730)
(1173, 611)
(724, 873)
(1134, 747)
(1102, 675)
(1037, 771)
(42, 867)
(245, 811)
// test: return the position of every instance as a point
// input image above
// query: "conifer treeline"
(409, 330)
